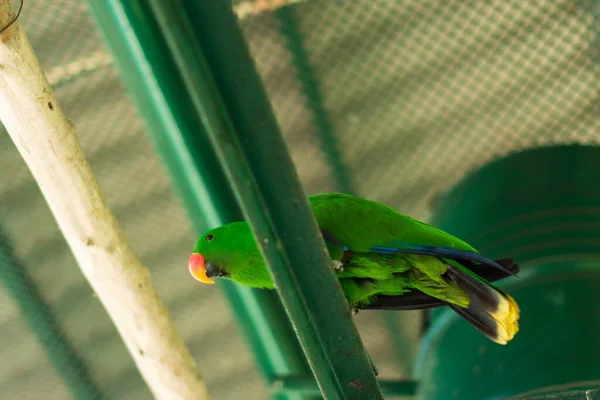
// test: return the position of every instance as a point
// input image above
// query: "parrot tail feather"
(417, 300)
(480, 320)
(493, 312)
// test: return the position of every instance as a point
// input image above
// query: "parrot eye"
(210, 237)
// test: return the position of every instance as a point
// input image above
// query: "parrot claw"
(338, 266)
(354, 311)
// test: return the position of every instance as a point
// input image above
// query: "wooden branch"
(48, 144)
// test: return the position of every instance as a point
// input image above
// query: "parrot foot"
(354, 311)
(338, 266)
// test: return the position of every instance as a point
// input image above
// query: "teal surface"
(541, 207)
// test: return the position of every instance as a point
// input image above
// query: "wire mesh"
(394, 101)
(139, 192)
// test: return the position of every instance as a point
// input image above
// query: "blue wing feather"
(434, 251)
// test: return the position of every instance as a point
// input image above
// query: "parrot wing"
(353, 224)
(443, 252)
(417, 300)
(359, 225)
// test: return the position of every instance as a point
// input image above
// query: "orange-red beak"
(198, 268)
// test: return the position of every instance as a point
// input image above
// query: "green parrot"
(384, 260)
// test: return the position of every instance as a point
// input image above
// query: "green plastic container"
(541, 207)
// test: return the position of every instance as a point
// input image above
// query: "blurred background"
(391, 100)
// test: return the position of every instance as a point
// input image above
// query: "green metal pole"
(44, 325)
(178, 133)
(394, 388)
(541, 207)
(214, 60)
(325, 132)
(277, 206)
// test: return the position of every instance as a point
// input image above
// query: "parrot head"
(230, 252)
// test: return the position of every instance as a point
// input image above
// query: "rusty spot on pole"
(356, 384)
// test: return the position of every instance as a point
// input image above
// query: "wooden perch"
(48, 144)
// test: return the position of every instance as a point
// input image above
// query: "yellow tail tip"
(507, 317)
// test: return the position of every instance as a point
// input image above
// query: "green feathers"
(361, 224)
(379, 254)
(231, 248)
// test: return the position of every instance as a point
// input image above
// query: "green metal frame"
(246, 138)
(291, 30)
(196, 83)
(160, 95)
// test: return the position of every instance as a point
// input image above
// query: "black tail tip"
(510, 265)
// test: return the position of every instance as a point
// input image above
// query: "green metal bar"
(178, 133)
(542, 207)
(309, 386)
(215, 63)
(309, 82)
(44, 325)
(314, 98)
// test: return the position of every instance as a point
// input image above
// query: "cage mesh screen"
(394, 101)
